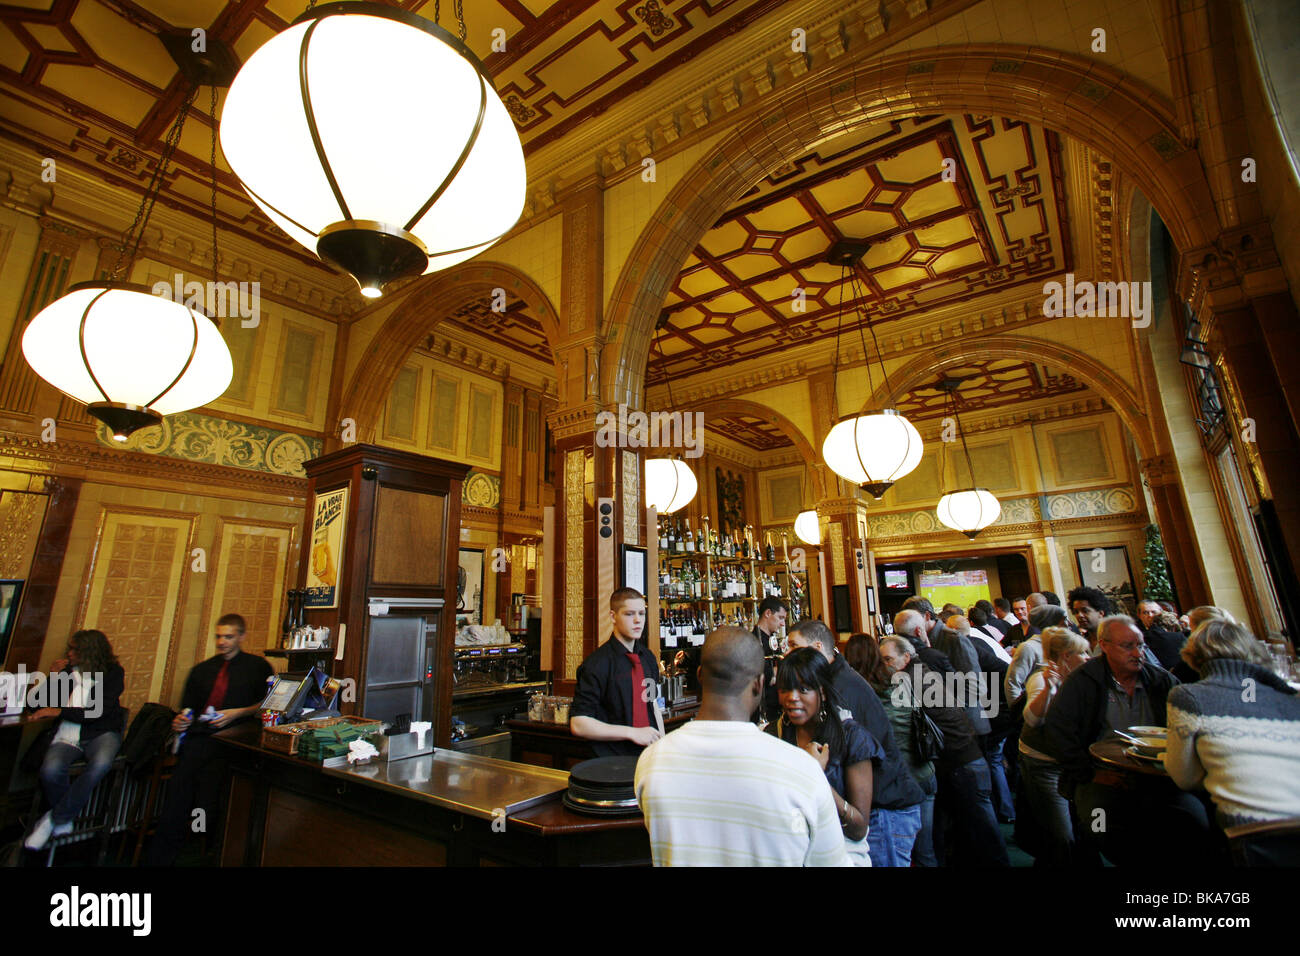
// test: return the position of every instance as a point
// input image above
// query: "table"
(1110, 754)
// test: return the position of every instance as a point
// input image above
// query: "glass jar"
(548, 710)
(535, 708)
(562, 709)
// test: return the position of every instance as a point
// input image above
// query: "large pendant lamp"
(669, 482)
(968, 510)
(871, 450)
(375, 138)
(129, 355)
(807, 528)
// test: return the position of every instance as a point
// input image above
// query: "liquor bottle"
(771, 554)
(663, 534)
(690, 538)
(286, 628)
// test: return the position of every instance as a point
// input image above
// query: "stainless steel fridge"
(401, 658)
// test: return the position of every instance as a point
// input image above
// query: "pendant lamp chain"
(460, 15)
(125, 261)
(858, 296)
(216, 278)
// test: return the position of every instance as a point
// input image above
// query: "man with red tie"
(221, 691)
(618, 685)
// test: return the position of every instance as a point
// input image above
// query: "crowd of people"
(933, 738)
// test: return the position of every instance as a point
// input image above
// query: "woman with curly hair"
(90, 728)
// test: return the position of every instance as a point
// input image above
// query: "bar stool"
(97, 818)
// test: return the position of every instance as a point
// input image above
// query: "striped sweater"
(723, 793)
(1236, 732)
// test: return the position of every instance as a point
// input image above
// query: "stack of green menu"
(320, 743)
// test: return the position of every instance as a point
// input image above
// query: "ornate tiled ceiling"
(90, 83)
(750, 431)
(987, 384)
(954, 208)
(514, 329)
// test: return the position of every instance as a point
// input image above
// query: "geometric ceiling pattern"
(988, 384)
(515, 329)
(90, 83)
(756, 433)
(953, 207)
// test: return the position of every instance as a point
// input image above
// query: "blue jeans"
(967, 802)
(891, 834)
(66, 797)
(923, 850)
(1004, 804)
(1051, 811)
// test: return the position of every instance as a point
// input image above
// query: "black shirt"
(245, 685)
(605, 692)
(892, 784)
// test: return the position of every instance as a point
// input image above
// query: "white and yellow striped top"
(723, 793)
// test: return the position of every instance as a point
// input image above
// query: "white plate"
(1148, 731)
(1145, 758)
(1152, 744)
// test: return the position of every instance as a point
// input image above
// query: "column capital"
(1159, 470)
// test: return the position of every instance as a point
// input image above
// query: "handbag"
(927, 738)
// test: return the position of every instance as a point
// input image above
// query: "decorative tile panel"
(575, 471)
(21, 514)
(194, 437)
(137, 579)
(250, 578)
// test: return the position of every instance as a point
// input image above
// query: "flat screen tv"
(896, 579)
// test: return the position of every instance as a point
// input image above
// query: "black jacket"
(1079, 711)
(112, 717)
(1166, 646)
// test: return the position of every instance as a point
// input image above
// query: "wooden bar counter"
(441, 809)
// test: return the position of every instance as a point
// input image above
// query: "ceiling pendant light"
(129, 355)
(375, 139)
(669, 482)
(807, 528)
(969, 510)
(872, 450)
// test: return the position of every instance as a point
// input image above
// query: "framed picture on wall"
(11, 591)
(1108, 570)
(469, 585)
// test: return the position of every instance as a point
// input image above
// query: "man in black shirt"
(771, 616)
(618, 685)
(233, 685)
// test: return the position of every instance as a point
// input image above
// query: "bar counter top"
(496, 794)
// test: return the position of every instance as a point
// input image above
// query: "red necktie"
(639, 718)
(218, 695)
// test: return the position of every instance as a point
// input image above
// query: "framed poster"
(634, 568)
(469, 585)
(330, 512)
(871, 600)
(1107, 569)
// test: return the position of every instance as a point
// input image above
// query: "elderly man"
(720, 792)
(895, 796)
(1029, 653)
(965, 789)
(1165, 643)
(960, 651)
(911, 625)
(1114, 691)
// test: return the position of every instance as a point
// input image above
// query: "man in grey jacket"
(1029, 653)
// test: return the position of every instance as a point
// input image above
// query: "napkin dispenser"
(414, 743)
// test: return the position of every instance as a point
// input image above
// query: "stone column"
(844, 545)
(1161, 475)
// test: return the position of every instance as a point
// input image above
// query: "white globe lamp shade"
(873, 451)
(375, 138)
(807, 528)
(131, 356)
(969, 511)
(669, 484)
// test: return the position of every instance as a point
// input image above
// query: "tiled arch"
(438, 296)
(1115, 114)
(1106, 383)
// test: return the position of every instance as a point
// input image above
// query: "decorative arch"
(741, 406)
(1131, 124)
(424, 308)
(1117, 393)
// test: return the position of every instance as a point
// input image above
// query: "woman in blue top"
(811, 718)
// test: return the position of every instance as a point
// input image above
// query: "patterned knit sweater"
(1236, 732)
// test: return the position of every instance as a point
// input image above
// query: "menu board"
(325, 560)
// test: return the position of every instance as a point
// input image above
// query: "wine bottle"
(690, 538)
(663, 535)
(771, 553)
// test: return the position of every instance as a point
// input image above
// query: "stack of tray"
(603, 787)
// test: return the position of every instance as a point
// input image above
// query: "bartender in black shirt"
(233, 684)
(614, 705)
(771, 615)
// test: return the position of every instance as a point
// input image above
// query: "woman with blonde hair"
(1064, 651)
(1236, 731)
